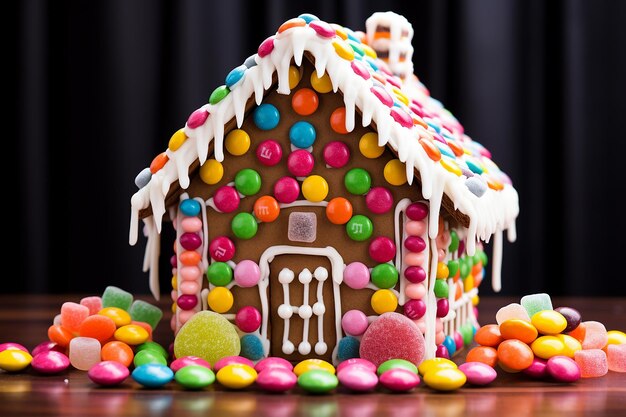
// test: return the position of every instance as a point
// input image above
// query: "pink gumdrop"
(189, 287)
(443, 307)
(72, 315)
(415, 228)
(336, 154)
(616, 357)
(354, 322)
(417, 211)
(478, 373)
(415, 274)
(12, 346)
(108, 373)
(414, 309)
(269, 152)
(50, 362)
(392, 336)
(190, 273)
(537, 368)
(382, 249)
(357, 378)
(563, 369)
(94, 304)
(248, 319)
(592, 362)
(356, 275)
(414, 244)
(45, 347)
(191, 224)
(399, 379)
(187, 361)
(190, 241)
(286, 190)
(247, 273)
(185, 315)
(272, 362)
(442, 352)
(222, 249)
(439, 338)
(379, 200)
(232, 360)
(187, 301)
(276, 379)
(415, 291)
(300, 163)
(414, 259)
(596, 336)
(226, 199)
(364, 363)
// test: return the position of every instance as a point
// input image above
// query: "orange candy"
(579, 332)
(338, 120)
(488, 335)
(484, 354)
(515, 355)
(190, 257)
(339, 210)
(98, 327)
(60, 335)
(118, 352)
(266, 209)
(158, 162)
(305, 101)
(518, 329)
(292, 23)
(431, 149)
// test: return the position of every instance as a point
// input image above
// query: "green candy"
(317, 381)
(483, 256)
(116, 297)
(453, 268)
(396, 363)
(149, 356)
(441, 288)
(143, 311)
(466, 266)
(454, 241)
(219, 274)
(467, 332)
(248, 182)
(357, 181)
(153, 346)
(218, 94)
(384, 276)
(359, 228)
(244, 226)
(194, 377)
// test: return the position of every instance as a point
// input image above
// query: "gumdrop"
(302, 227)
(596, 336)
(207, 335)
(392, 336)
(116, 297)
(348, 348)
(616, 357)
(252, 347)
(84, 352)
(145, 312)
(592, 362)
(512, 311)
(94, 304)
(535, 303)
(72, 315)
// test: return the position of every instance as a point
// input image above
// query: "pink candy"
(12, 346)
(357, 378)
(276, 379)
(300, 163)
(226, 199)
(537, 369)
(247, 273)
(392, 336)
(363, 363)
(592, 362)
(72, 315)
(94, 304)
(188, 360)
(286, 190)
(596, 336)
(108, 373)
(50, 362)
(563, 369)
(336, 154)
(399, 379)
(379, 200)
(269, 152)
(616, 357)
(222, 249)
(354, 322)
(478, 373)
(273, 362)
(356, 275)
(248, 319)
(232, 360)
(417, 211)
(44, 347)
(382, 249)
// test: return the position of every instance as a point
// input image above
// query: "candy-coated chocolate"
(537, 368)
(244, 226)
(266, 116)
(131, 334)
(339, 210)
(194, 376)
(485, 354)
(153, 375)
(50, 362)
(14, 360)
(546, 347)
(563, 369)
(359, 228)
(220, 299)
(44, 347)
(313, 364)
(445, 379)
(360, 362)
(357, 181)
(315, 188)
(248, 319)
(118, 352)
(415, 274)
(286, 190)
(442, 351)
(248, 182)
(211, 172)
(108, 373)
(399, 379)
(379, 200)
(478, 373)
(368, 146)
(571, 344)
(272, 362)
(515, 354)
(518, 329)
(336, 154)
(616, 337)
(357, 378)
(356, 275)
(382, 249)
(179, 363)
(489, 335)
(149, 356)
(120, 317)
(354, 322)
(302, 134)
(317, 381)
(384, 301)
(396, 363)
(232, 360)
(269, 152)
(151, 345)
(395, 172)
(13, 346)
(266, 209)
(236, 376)
(276, 379)
(549, 322)
(435, 363)
(321, 84)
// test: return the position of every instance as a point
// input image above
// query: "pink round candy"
(563, 369)
(276, 379)
(357, 378)
(191, 224)
(414, 259)
(414, 309)
(417, 211)
(12, 346)
(232, 360)
(356, 275)
(441, 255)
(537, 368)
(269, 152)
(300, 163)
(379, 200)
(478, 373)
(189, 287)
(399, 379)
(190, 241)
(354, 322)
(247, 273)
(222, 249)
(226, 199)
(443, 307)
(415, 227)
(45, 347)
(286, 190)
(188, 360)
(108, 373)
(187, 301)
(415, 291)
(272, 362)
(190, 273)
(442, 351)
(248, 319)
(415, 274)
(50, 362)
(184, 315)
(336, 154)
(382, 249)
(363, 363)
(414, 244)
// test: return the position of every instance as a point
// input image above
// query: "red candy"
(382, 249)
(417, 211)
(286, 190)
(379, 200)
(226, 199)
(336, 154)
(392, 336)
(269, 152)
(300, 163)
(222, 249)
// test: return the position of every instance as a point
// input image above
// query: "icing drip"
(321, 275)
(496, 262)
(400, 249)
(431, 304)
(285, 310)
(305, 312)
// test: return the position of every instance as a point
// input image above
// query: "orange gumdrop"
(145, 325)
(338, 120)
(60, 335)
(98, 327)
(484, 354)
(266, 209)
(339, 210)
(518, 329)
(118, 352)
(190, 257)
(515, 355)
(488, 335)
(579, 332)
(305, 101)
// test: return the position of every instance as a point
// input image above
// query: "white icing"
(303, 203)
(400, 249)
(431, 305)
(496, 262)
(396, 44)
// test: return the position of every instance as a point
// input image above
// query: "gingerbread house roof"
(427, 138)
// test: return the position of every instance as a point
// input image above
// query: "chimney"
(390, 35)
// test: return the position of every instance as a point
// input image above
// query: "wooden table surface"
(25, 318)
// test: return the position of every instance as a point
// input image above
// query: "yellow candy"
(442, 270)
(549, 322)
(177, 139)
(131, 334)
(616, 337)
(236, 376)
(175, 281)
(321, 85)
(343, 50)
(451, 166)
(368, 145)
(220, 299)
(571, 344)
(395, 172)
(294, 77)
(475, 300)
(211, 172)
(547, 346)
(400, 95)
(315, 188)
(13, 360)
(384, 301)
(119, 316)
(445, 379)
(468, 283)
(434, 364)
(174, 307)
(237, 142)
(309, 364)
(369, 51)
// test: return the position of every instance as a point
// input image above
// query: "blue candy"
(308, 17)
(189, 207)
(153, 375)
(348, 348)
(251, 347)
(235, 75)
(445, 149)
(473, 167)
(450, 344)
(302, 134)
(266, 116)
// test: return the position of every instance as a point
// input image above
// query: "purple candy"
(363, 363)
(231, 360)
(399, 379)
(13, 346)
(572, 317)
(443, 307)
(415, 274)
(417, 211)
(272, 362)
(357, 378)
(478, 373)
(188, 360)
(414, 244)
(442, 352)
(414, 309)
(108, 373)
(276, 379)
(563, 369)
(537, 369)
(50, 362)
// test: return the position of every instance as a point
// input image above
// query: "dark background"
(97, 88)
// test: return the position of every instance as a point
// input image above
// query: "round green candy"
(218, 94)
(357, 181)
(465, 264)
(441, 288)
(317, 381)
(147, 356)
(153, 346)
(453, 268)
(454, 241)
(483, 256)
(248, 182)
(194, 377)
(244, 226)
(359, 228)
(467, 332)
(396, 363)
(384, 276)
(219, 274)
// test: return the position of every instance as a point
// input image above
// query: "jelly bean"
(232, 360)
(12, 346)
(515, 354)
(153, 375)
(434, 364)
(98, 327)
(485, 354)
(272, 362)
(247, 182)
(572, 316)
(248, 319)
(549, 322)
(339, 210)
(315, 188)
(518, 329)
(357, 181)
(117, 351)
(220, 299)
(147, 356)
(244, 226)
(313, 364)
(384, 301)
(571, 345)
(236, 376)
(336, 154)
(321, 84)
(616, 337)
(84, 352)
(304, 101)
(399, 379)
(269, 152)
(194, 376)
(317, 381)
(357, 378)
(50, 362)
(537, 369)
(119, 316)
(276, 379)
(396, 363)
(563, 369)
(131, 334)
(108, 373)
(478, 373)
(360, 362)
(266, 209)
(445, 379)
(14, 360)
(546, 347)
(266, 116)
(489, 335)
(211, 172)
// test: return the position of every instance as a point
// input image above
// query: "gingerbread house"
(320, 187)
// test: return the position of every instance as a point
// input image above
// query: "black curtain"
(96, 88)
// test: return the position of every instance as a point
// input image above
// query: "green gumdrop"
(454, 241)
(453, 268)
(194, 377)
(441, 288)
(219, 274)
(153, 346)
(218, 94)
(396, 363)
(143, 311)
(147, 356)
(207, 335)
(466, 266)
(384, 276)
(116, 297)
(248, 181)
